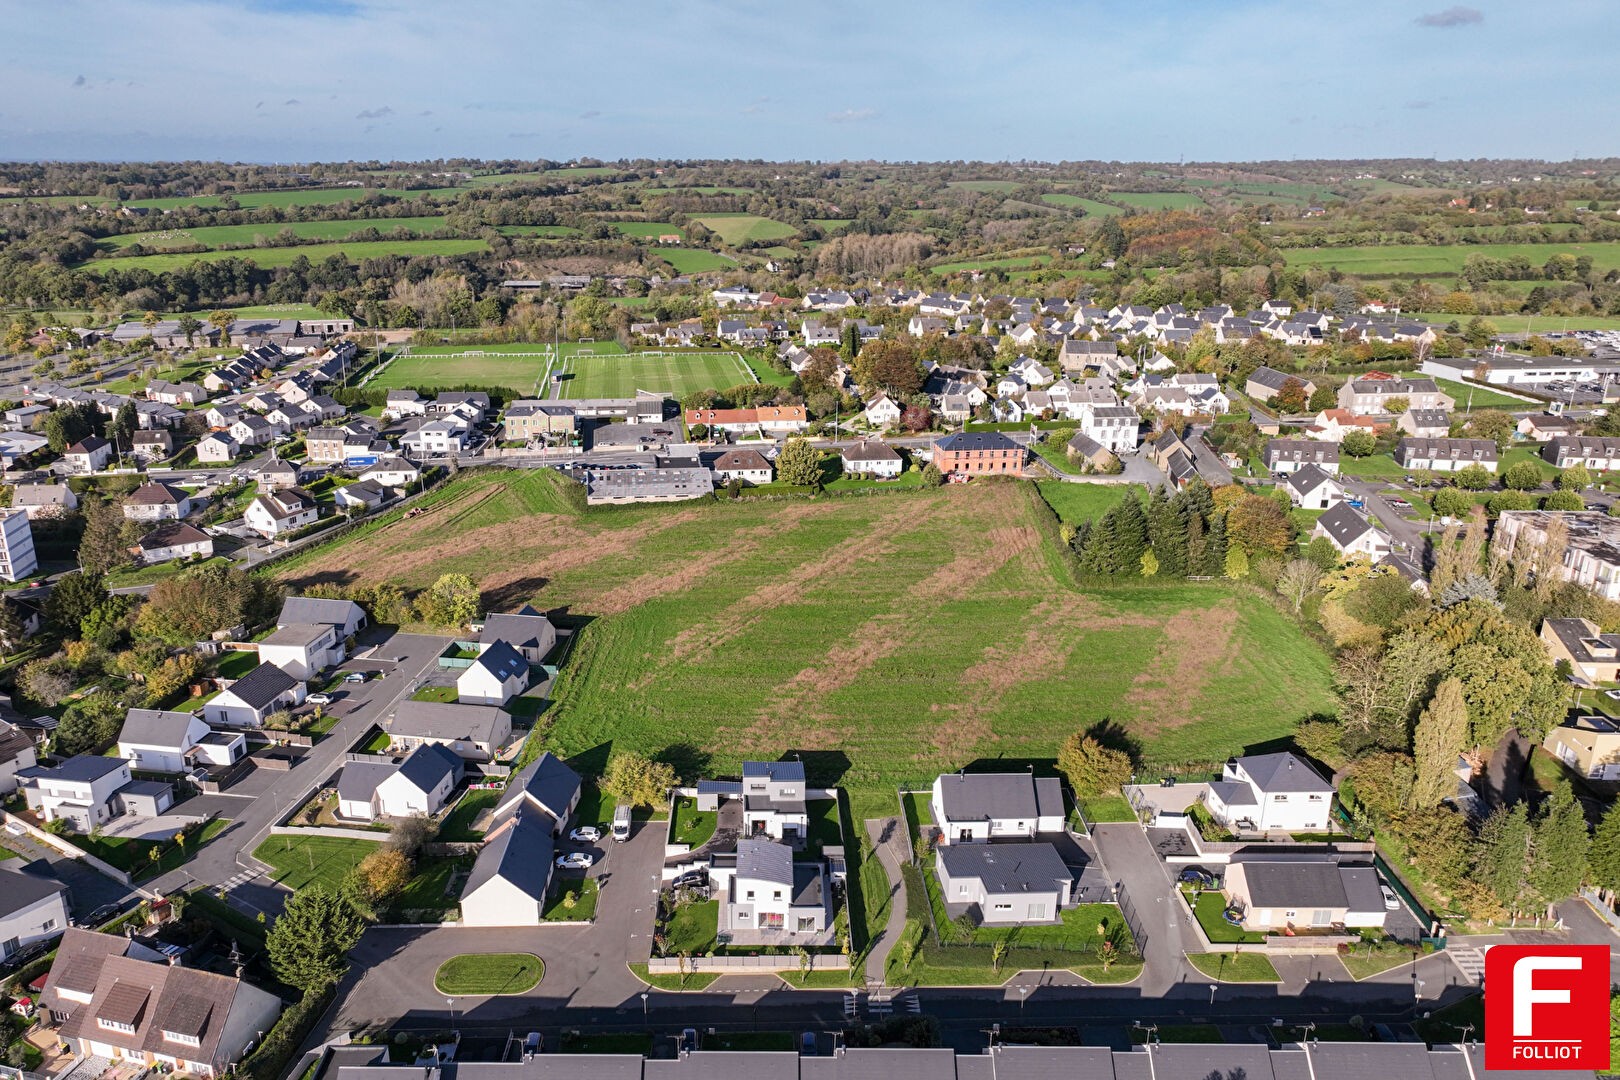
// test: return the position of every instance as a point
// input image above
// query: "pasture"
(650, 230)
(737, 229)
(1159, 200)
(214, 236)
(252, 200)
(676, 374)
(1429, 260)
(1092, 207)
(886, 638)
(986, 186)
(695, 260)
(830, 224)
(520, 367)
(1012, 262)
(1530, 324)
(285, 256)
(549, 231)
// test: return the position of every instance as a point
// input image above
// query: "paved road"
(227, 860)
(1405, 531)
(887, 836)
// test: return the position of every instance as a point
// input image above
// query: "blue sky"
(1160, 80)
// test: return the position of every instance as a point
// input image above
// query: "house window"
(1037, 911)
(750, 895)
(1003, 907)
(961, 890)
(50, 924)
(1279, 798)
(113, 1025)
(1316, 798)
(186, 1040)
(777, 895)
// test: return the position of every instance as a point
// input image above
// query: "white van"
(621, 822)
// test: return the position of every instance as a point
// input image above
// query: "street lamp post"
(450, 1001)
(1023, 994)
(644, 1006)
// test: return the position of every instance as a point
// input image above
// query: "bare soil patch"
(1197, 642)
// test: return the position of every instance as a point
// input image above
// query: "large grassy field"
(1001, 186)
(1422, 260)
(676, 374)
(1530, 324)
(736, 229)
(649, 229)
(885, 638)
(695, 260)
(1159, 200)
(1011, 262)
(272, 257)
(252, 200)
(519, 367)
(219, 235)
(1092, 207)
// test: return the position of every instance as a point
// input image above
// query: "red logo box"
(1547, 1007)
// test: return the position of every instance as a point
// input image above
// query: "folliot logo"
(1547, 1007)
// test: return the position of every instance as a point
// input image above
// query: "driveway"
(1407, 533)
(1133, 863)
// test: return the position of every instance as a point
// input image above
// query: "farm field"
(272, 257)
(1425, 260)
(57, 200)
(695, 260)
(725, 630)
(676, 374)
(652, 230)
(1013, 262)
(251, 200)
(1529, 324)
(1092, 207)
(737, 229)
(1074, 503)
(536, 230)
(519, 367)
(1002, 186)
(217, 235)
(1159, 200)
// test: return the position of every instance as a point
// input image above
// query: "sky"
(994, 80)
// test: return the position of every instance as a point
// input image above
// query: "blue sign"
(363, 459)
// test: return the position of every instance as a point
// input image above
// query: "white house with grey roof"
(472, 732)
(248, 701)
(773, 797)
(526, 630)
(348, 616)
(167, 741)
(1316, 892)
(33, 906)
(545, 785)
(1007, 884)
(975, 807)
(498, 674)
(368, 790)
(509, 879)
(303, 650)
(87, 791)
(765, 889)
(1270, 793)
(1310, 488)
(1351, 533)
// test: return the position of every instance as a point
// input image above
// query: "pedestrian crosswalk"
(1470, 961)
(881, 1004)
(242, 878)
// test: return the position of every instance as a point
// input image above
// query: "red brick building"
(979, 453)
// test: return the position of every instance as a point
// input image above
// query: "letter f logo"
(1525, 994)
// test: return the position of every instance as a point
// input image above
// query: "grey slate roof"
(156, 727)
(439, 720)
(1294, 885)
(548, 782)
(261, 686)
(359, 779)
(982, 796)
(1307, 478)
(502, 661)
(1006, 868)
(765, 860)
(520, 628)
(428, 764)
(519, 851)
(1283, 772)
(20, 888)
(1344, 523)
(314, 609)
(976, 440)
(776, 770)
(81, 768)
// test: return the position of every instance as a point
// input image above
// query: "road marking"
(1469, 961)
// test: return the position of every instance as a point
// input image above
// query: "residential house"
(1545, 427)
(1270, 793)
(1090, 454)
(250, 430)
(881, 412)
(170, 393)
(1309, 488)
(217, 448)
(303, 650)
(1012, 884)
(399, 403)
(669, 484)
(1590, 745)
(33, 906)
(444, 435)
(279, 474)
(974, 807)
(89, 455)
(530, 420)
(509, 879)
(87, 791)
(872, 458)
(1597, 454)
(1170, 452)
(393, 472)
(1590, 653)
(773, 795)
(1116, 428)
(279, 512)
(44, 500)
(1266, 383)
(1076, 355)
(247, 701)
(421, 784)
(166, 741)
(545, 786)
(472, 732)
(1367, 395)
(157, 502)
(150, 446)
(770, 419)
(361, 496)
(347, 616)
(1424, 423)
(1318, 892)
(17, 752)
(1284, 456)
(473, 405)
(745, 466)
(1446, 455)
(765, 889)
(1350, 533)
(1591, 556)
(498, 674)
(1332, 425)
(112, 999)
(979, 453)
(526, 630)
(17, 558)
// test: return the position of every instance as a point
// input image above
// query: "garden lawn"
(482, 974)
(1208, 909)
(1235, 967)
(727, 631)
(1364, 961)
(693, 981)
(427, 897)
(269, 258)
(298, 861)
(135, 857)
(1074, 503)
(1380, 465)
(676, 374)
(584, 892)
(1104, 808)
(692, 826)
(458, 824)
(1482, 397)
(693, 928)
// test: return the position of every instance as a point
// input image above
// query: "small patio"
(780, 939)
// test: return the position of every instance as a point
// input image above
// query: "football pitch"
(520, 367)
(675, 374)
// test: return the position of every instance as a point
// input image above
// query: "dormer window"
(114, 1025)
(184, 1040)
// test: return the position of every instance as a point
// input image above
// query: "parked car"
(575, 860)
(106, 913)
(692, 879)
(1357, 503)
(319, 699)
(355, 676)
(1400, 504)
(807, 1043)
(1612, 695)
(586, 834)
(1197, 875)
(1391, 901)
